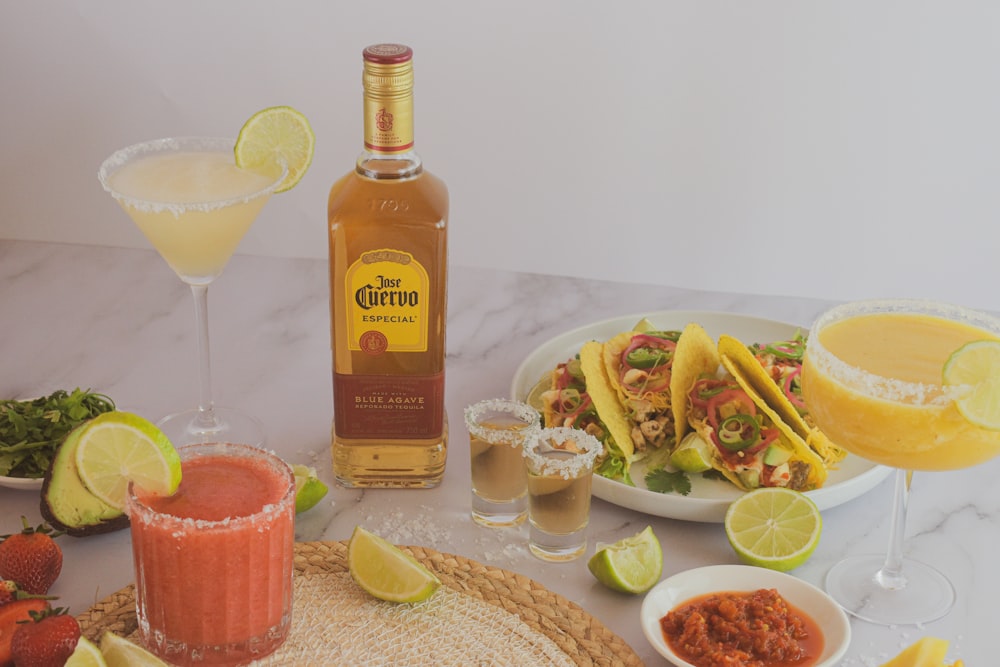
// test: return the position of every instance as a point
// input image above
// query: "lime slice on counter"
(692, 455)
(977, 365)
(120, 652)
(387, 572)
(118, 447)
(86, 654)
(773, 527)
(274, 136)
(309, 490)
(630, 565)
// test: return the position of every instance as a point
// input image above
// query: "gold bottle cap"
(388, 69)
(388, 85)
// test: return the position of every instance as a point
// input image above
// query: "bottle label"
(387, 296)
(388, 406)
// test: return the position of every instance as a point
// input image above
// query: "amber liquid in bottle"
(388, 303)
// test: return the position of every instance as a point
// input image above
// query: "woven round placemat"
(483, 615)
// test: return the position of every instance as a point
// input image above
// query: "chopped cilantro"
(665, 481)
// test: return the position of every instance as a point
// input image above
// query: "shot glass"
(213, 562)
(497, 430)
(560, 464)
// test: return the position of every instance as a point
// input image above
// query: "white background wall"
(837, 149)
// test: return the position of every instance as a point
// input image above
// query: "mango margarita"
(873, 382)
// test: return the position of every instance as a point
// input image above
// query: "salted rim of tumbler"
(518, 409)
(123, 156)
(877, 386)
(198, 450)
(567, 468)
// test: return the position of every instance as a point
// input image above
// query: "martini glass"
(194, 205)
(872, 378)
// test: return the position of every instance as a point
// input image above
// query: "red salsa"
(755, 629)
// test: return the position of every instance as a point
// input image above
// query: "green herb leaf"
(31, 431)
(662, 480)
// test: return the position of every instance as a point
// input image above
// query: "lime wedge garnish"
(276, 136)
(773, 527)
(630, 565)
(309, 490)
(86, 654)
(977, 365)
(118, 447)
(387, 572)
(120, 652)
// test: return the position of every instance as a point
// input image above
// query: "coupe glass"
(194, 205)
(872, 380)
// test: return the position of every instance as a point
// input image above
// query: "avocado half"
(67, 504)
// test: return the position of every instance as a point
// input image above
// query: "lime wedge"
(977, 365)
(86, 654)
(692, 455)
(309, 490)
(631, 565)
(276, 136)
(120, 652)
(386, 572)
(118, 447)
(773, 527)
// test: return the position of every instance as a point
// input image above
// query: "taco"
(747, 441)
(773, 370)
(572, 401)
(644, 371)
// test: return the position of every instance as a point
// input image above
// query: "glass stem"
(891, 575)
(206, 408)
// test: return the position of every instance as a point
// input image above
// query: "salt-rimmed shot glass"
(497, 430)
(560, 463)
(213, 562)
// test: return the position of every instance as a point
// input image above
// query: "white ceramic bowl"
(683, 586)
(22, 483)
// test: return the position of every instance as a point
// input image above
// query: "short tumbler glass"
(213, 562)
(497, 430)
(560, 465)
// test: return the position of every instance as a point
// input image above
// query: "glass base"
(216, 425)
(924, 595)
(556, 548)
(499, 515)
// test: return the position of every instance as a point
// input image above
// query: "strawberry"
(47, 641)
(10, 616)
(10, 591)
(31, 558)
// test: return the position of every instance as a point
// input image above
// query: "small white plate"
(683, 586)
(21, 483)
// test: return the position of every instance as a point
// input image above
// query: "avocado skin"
(67, 504)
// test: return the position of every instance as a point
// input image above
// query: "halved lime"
(120, 652)
(309, 490)
(773, 527)
(86, 654)
(274, 136)
(630, 565)
(977, 366)
(118, 447)
(387, 572)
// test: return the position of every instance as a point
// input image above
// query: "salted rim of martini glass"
(208, 422)
(892, 589)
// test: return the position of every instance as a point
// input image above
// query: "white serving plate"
(709, 498)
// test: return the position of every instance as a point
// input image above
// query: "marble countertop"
(120, 322)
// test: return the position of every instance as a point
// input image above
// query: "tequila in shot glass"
(497, 430)
(213, 562)
(560, 464)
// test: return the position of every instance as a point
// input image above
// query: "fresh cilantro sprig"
(31, 431)
(662, 480)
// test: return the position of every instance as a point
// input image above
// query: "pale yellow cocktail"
(873, 383)
(193, 206)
